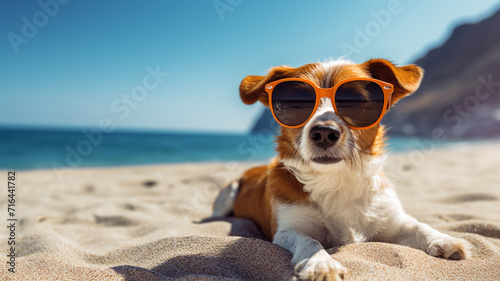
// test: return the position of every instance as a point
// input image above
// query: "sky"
(177, 65)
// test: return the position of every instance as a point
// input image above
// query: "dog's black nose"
(324, 136)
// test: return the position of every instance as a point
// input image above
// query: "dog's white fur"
(351, 203)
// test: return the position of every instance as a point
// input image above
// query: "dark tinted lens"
(293, 102)
(360, 103)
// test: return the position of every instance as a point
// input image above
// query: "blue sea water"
(22, 149)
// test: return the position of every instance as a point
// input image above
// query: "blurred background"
(105, 83)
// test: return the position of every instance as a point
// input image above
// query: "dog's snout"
(324, 136)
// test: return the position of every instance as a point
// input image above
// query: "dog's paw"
(450, 248)
(321, 267)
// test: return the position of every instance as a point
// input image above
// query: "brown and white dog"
(305, 205)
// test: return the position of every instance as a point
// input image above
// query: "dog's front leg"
(310, 260)
(403, 229)
(421, 236)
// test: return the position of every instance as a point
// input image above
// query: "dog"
(326, 187)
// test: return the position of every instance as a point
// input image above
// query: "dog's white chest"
(349, 223)
(347, 204)
(330, 226)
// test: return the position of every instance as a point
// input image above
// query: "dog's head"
(325, 139)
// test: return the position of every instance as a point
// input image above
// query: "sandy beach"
(147, 223)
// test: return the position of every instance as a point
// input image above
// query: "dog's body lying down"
(326, 188)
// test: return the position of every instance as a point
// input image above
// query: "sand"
(147, 223)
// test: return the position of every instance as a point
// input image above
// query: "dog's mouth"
(326, 160)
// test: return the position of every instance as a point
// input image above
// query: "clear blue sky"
(84, 55)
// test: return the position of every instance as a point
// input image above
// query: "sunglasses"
(360, 102)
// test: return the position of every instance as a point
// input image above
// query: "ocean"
(22, 149)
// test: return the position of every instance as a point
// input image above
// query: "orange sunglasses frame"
(387, 89)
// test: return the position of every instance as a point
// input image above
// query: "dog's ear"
(252, 87)
(405, 79)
